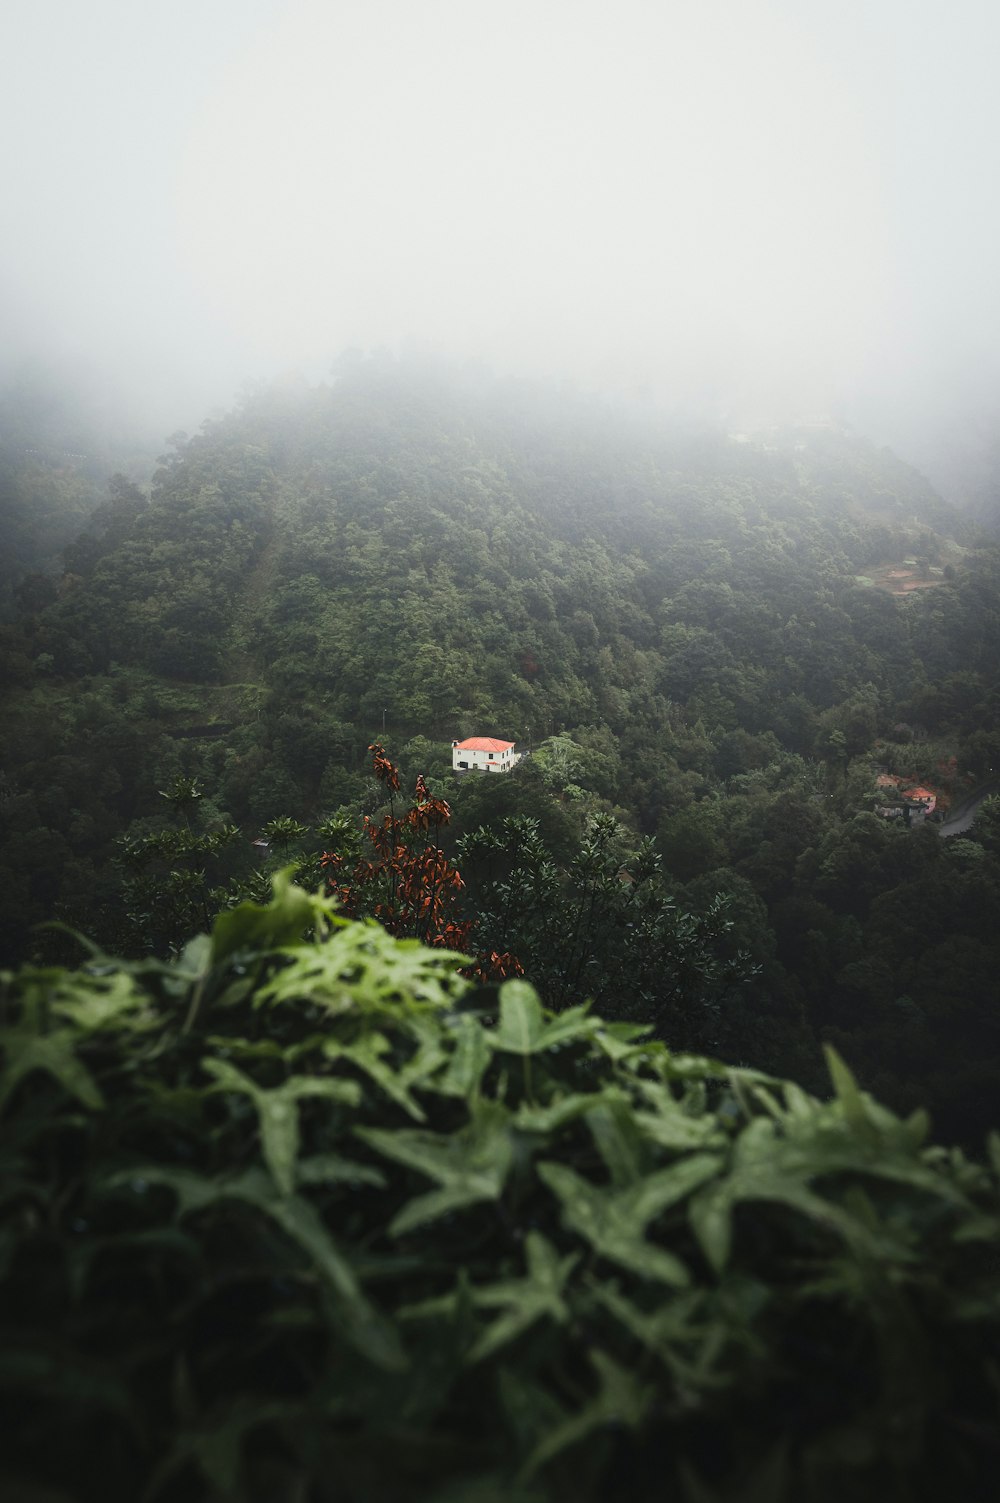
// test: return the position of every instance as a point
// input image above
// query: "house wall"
(480, 761)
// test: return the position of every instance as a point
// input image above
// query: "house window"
(491, 756)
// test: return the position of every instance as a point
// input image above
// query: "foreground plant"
(305, 1215)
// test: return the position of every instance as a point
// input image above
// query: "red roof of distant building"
(484, 743)
(920, 794)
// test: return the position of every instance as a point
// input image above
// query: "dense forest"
(712, 646)
(755, 682)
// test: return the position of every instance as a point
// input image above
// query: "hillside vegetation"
(681, 626)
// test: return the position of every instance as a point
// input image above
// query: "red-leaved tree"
(407, 882)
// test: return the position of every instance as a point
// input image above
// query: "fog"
(755, 211)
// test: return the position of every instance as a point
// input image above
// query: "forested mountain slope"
(58, 448)
(695, 632)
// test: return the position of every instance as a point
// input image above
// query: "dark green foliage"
(603, 925)
(684, 629)
(310, 1218)
(57, 452)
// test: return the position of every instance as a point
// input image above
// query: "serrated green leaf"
(798, 1103)
(710, 1215)
(671, 1123)
(362, 967)
(526, 1300)
(851, 1100)
(523, 1028)
(917, 1127)
(678, 1130)
(278, 1113)
(370, 1332)
(266, 926)
(216, 1444)
(621, 1400)
(367, 1054)
(614, 1221)
(331, 1168)
(279, 1137)
(470, 1058)
(668, 1331)
(193, 1191)
(979, 1229)
(570, 1024)
(436, 1203)
(565, 1109)
(625, 1155)
(468, 1166)
(52, 1053)
(104, 1002)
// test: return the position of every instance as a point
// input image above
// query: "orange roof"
(483, 743)
(919, 793)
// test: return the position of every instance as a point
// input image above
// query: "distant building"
(484, 754)
(914, 801)
(920, 798)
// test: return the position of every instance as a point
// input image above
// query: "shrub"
(305, 1215)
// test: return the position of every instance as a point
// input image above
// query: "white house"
(483, 754)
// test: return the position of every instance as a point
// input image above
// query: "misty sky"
(750, 206)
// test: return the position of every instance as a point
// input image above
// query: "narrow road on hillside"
(960, 817)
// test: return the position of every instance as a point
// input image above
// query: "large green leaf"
(670, 1124)
(368, 1054)
(263, 926)
(522, 1021)
(674, 1331)
(277, 1111)
(525, 1301)
(332, 1168)
(563, 1110)
(216, 1444)
(469, 1166)
(267, 926)
(470, 1057)
(93, 1003)
(370, 1332)
(362, 967)
(26, 1051)
(624, 1041)
(523, 1028)
(625, 1153)
(614, 1221)
(851, 1100)
(620, 1400)
(773, 1167)
(710, 1214)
